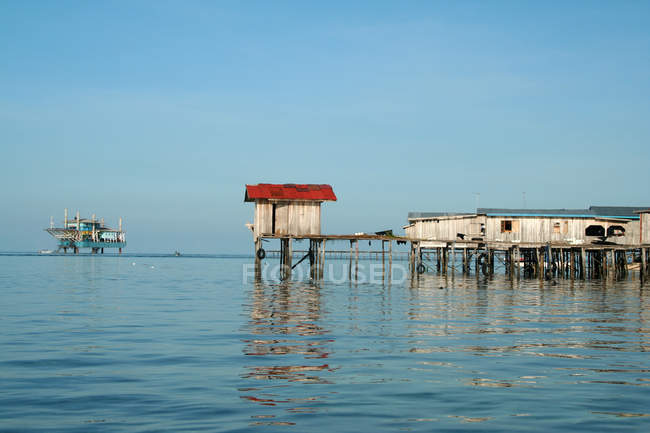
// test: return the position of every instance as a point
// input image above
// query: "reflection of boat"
(177, 253)
(45, 251)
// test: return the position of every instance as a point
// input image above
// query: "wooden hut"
(443, 227)
(618, 225)
(287, 210)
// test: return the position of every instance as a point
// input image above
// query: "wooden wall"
(446, 228)
(645, 223)
(523, 229)
(294, 218)
(565, 230)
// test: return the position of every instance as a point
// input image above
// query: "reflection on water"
(285, 331)
(414, 355)
(162, 344)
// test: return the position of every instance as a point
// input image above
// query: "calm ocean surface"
(150, 344)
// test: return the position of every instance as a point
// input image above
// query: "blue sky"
(161, 111)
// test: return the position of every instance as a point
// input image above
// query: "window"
(595, 230)
(615, 231)
(508, 226)
(556, 228)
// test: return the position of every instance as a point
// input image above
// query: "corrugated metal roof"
(626, 212)
(623, 211)
(535, 212)
(289, 191)
(422, 215)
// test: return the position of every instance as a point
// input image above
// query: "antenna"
(524, 196)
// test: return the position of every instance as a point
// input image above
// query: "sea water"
(176, 344)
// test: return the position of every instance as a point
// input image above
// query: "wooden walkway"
(532, 260)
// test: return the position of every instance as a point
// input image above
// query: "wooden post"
(465, 261)
(572, 264)
(383, 259)
(257, 244)
(453, 259)
(356, 260)
(445, 259)
(350, 263)
(510, 262)
(583, 263)
(390, 260)
(644, 266)
(322, 261)
(517, 261)
(412, 258)
(282, 257)
(491, 259)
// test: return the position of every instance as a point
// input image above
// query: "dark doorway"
(595, 230)
(273, 221)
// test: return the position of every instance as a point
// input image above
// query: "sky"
(160, 112)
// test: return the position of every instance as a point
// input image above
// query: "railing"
(345, 254)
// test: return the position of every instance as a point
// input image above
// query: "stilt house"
(612, 224)
(288, 209)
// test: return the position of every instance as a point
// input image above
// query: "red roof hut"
(287, 210)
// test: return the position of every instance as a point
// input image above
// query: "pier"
(599, 242)
(543, 261)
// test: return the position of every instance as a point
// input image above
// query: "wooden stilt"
(383, 259)
(517, 261)
(491, 259)
(644, 266)
(390, 260)
(453, 259)
(356, 261)
(465, 261)
(322, 262)
(350, 263)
